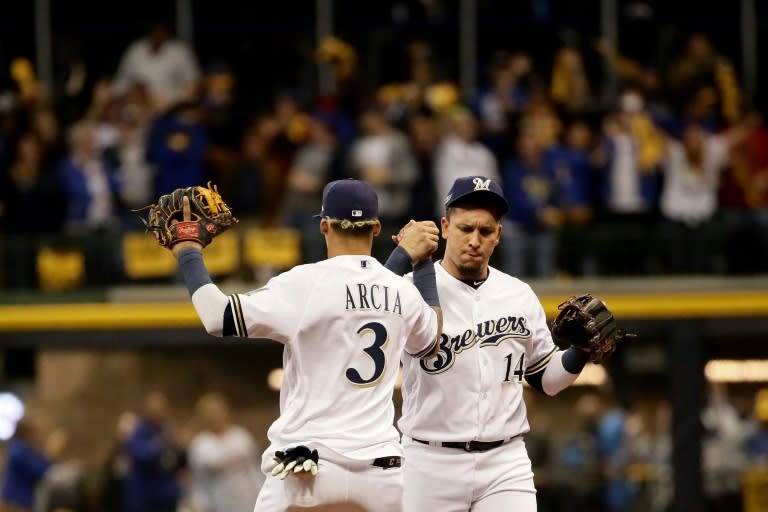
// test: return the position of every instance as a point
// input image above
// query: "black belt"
(468, 446)
(387, 462)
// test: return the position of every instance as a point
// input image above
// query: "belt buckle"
(387, 462)
(468, 446)
(393, 462)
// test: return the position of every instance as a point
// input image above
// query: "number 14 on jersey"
(517, 374)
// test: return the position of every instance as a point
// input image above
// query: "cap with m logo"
(477, 190)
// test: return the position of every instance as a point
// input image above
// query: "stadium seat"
(145, 259)
(60, 269)
(755, 491)
(222, 257)
(278, 248)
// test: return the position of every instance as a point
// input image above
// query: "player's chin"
(471, 267)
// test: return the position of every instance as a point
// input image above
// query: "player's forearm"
(425, 281)
(399, 261)
(562, 370)
(209, 301)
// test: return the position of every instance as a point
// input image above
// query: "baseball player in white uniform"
(463, 409)
(345, 323)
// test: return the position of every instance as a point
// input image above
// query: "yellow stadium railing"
(222, 256)
(756, 489)
(47, 317)
(143, 258)
(278, 248)
(60, 269)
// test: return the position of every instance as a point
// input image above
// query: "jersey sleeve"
(271, 311)
(422, 335)
(542, 348)
(420, 343)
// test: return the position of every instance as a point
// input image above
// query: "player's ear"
(444, 227)
(377, 228)
(499, 231)
(324, 226)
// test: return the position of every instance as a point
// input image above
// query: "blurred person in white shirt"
(224, 461)
(460, 154)
(383, 157)
(165, 65)
(689, 198)
(723, 454)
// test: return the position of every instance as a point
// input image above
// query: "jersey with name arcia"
(493, 336)
(345, 323)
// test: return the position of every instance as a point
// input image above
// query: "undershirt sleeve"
(556, 374)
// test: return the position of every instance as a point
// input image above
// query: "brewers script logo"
(481, 184)
(485, 334)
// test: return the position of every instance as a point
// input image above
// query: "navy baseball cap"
(349, 199)
(477, 189)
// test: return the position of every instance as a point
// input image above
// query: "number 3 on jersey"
(518, 373)
(375, 352)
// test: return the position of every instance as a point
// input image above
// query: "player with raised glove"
(331, 347)
(585, 323)
(208, 216)
(298, 459)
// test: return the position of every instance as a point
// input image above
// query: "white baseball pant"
(341, 485)
(453, 480)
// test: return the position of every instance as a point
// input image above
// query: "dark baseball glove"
(295, 460)
(584, 322)
(209, 216)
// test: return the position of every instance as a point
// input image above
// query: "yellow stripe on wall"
(56, 317)
(104, 316)
(679, 305)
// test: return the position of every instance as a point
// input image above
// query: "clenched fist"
(419, 239)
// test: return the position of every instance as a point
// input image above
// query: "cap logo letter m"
(357, 213)
(481, 184)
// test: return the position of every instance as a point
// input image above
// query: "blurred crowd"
(157, 463)
(616, 455)
(610, 456)
(646, 169)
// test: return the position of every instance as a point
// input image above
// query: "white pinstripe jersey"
(473, 389)
(345, 322)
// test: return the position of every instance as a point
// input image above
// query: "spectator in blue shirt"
(156, 457)
(619, 492)
(90, 183)
(93, 204)
(575, 174)
(535, 197)
(503, 99)
(29, 457)
(176, 146)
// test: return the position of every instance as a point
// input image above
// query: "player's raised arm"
(416, 242)
(210, 302)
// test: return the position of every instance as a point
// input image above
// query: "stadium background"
(84, 349)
